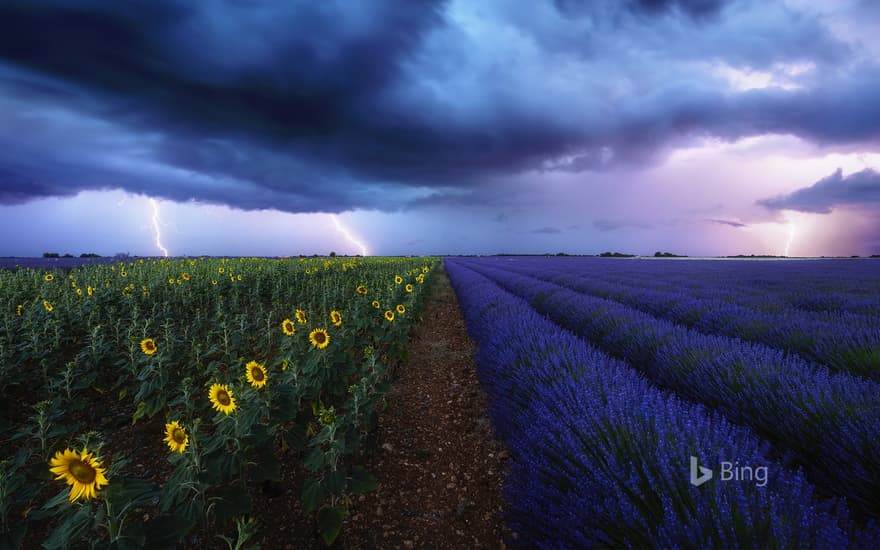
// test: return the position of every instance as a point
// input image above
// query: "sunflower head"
(222, 398)
(18, 310)
(362, 290)
(81, 470)
(398, 279)
(148, 346)
(389, 315)
(400, 309)
(49, 277)
(319, 338)
(288, 327)
(376, 304)
(176, 437)
(409, 287)
(301, 317)
(47, 305)
(336, 318)
(256, 374)
(185, 276)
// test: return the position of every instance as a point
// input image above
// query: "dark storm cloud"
(860, 188)
(336, 105)
(728, 222)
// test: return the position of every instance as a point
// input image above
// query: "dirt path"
(439, 465)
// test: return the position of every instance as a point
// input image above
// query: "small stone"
(407, 544)
(379, 511)
(388, 447)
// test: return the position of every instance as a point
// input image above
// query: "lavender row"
(849, 343)
(830, 421)
(601, 458)
(819, 286)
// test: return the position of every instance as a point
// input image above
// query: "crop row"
(845, 343)
(830, 420)
(600, 457)
(823, 287)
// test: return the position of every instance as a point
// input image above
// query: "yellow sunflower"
(214, 282)
(362, 290)
(301, 316)
(421, 278)
(18, 310)
(90, 290)
(288, 327)
(400, 309)
(319, 338)
(222, 398)
(389, 315)
(336, 318)
(176, 437)
(47, 305)
(82, 471)
(79, 292)
(171, 281)
(376, 304)
(148, 346)
(221, 271)
(49, 277)
(398, 279)
(409, 287)
(185, 276)
(256, 374)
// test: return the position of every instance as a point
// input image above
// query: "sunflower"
(409, 287)
(376, 304)
(79, 292)
(171, 281)
(176, 437)
(336, 318)
(400, 309)
(256, 374)
(90, 290)
(185, 276)
(319, 338)
(123, 273)
(288, 327)
(214, 282)
(301, 316)
(421, 278)
(18, 310)
(425, 269)
(82, 471)
(49, 277)
(47, 305)
(222, 398)
(389, 315)
(362, 290)
(148, 346)
(398, 279)
(221, 271)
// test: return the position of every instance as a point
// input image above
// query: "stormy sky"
(704, 127)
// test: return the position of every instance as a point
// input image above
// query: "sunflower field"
(147, 400)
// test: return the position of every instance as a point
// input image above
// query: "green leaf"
(313, 494)
(362, 481)
(166, 530)
(335, 481)
(315, 460)
(233, 501)
(330, 523)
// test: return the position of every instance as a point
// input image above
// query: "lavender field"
(682, 403)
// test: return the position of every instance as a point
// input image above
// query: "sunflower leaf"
(330, 523)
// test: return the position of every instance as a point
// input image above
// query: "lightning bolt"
(790, 235)
(156, 230)
(347, 234)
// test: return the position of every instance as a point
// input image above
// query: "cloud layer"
(334, 106)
